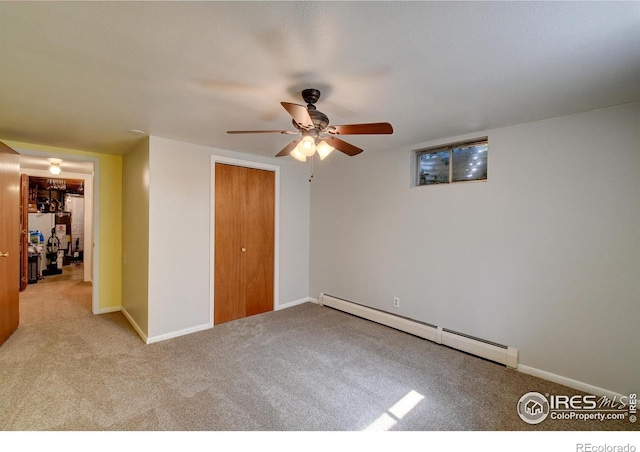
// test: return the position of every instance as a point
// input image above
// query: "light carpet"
(306, 368)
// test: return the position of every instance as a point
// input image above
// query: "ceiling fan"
(316, 135)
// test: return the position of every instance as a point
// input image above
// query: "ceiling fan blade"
(375, 128)
(288, 148)
(285, 132)
(343, 146)
(299, 114)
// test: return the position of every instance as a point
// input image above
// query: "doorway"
(56, 232)
(245, 205)
(79, 261)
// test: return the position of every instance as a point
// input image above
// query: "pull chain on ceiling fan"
(316, 135)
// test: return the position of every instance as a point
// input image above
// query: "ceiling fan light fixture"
(296, 154)
(307, 146)
(324, 149)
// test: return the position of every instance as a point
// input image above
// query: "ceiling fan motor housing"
(320, 120)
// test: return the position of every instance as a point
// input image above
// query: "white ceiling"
(28, 163)
(83, 74)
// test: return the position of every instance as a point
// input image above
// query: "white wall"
(544, 256)
(135, 236)
(180, 203)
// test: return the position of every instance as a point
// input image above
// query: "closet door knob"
(4, 254)
(243, 249)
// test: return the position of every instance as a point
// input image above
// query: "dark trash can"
(33, 268)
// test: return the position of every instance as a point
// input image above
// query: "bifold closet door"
(244, 242)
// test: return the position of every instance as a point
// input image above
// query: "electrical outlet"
(396, 302)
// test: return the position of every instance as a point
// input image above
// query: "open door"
(9, 240)
(24, 231)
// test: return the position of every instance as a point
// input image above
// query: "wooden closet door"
(259, 241)
(228, 299)
(244, 242)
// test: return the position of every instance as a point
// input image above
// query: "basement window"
(455, 162)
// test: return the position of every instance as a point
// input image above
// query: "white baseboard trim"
(134, 325)
(195, 329)
(296, 303)
(173, 334)
(162, 337)
(575, 384)
(108, 310)
(479, 347)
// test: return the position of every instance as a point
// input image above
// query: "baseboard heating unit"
(499, 353)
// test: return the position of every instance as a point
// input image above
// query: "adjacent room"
(319, 216)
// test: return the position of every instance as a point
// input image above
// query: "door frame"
(276, 227)
(92, 182)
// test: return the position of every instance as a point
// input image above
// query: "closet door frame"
(276, 227)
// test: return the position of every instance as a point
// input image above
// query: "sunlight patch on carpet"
(400, 409)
